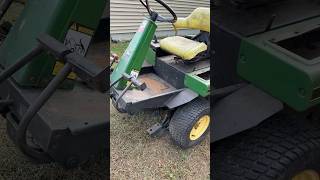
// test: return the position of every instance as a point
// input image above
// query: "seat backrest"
(199, 19)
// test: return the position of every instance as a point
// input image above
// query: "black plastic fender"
(182, 98)
(241, 110)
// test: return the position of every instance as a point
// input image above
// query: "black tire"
(185, 118)
(278, 149)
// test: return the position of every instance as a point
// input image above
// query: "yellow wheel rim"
(199, 127)
(307, 175)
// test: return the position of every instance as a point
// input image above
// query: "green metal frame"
(197, 84)
(136, 52)
(53, 17)
(283, 74)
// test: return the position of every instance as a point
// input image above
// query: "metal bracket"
(133, 81)
(158, 129)
(93, 75)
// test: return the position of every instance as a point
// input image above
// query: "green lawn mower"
(172, 74)
(266, 90)
(48, 89)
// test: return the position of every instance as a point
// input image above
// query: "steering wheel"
(158, 16)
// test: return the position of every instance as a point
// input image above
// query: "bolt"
(243, 58)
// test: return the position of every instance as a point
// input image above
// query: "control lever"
(132, 81)
(141, 86)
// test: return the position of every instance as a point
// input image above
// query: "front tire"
(190, 123)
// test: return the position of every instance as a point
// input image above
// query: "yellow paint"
(82, 29)
(74, 26)
(86, 30)
(307, 175)
(58, 66)
(200, 127)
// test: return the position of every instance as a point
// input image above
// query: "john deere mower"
(171, 74)
(266, 90)
(47, 86)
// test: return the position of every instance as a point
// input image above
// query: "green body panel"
(197, 84)
(135, 54)
(151, 57)
(280, 72)
(53, 17)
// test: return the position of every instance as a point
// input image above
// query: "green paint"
(281, 73)
(53, 17)
(197, 84)
(151, 57)
(136, 52)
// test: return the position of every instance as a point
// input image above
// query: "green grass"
(119, 48)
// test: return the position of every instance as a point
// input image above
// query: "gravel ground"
(14, 165)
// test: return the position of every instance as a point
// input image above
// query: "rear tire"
(278, 149)
(185, 118)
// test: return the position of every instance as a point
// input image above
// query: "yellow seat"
(199, 19)
(185, 48)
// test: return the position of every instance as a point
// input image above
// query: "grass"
(135, 155)
(119, 48)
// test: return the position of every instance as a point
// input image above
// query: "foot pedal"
(156, 130)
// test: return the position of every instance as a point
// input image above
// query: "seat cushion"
(185, 48)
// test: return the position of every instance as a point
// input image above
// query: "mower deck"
(155, 86)
(161, 86)
(63, 127)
